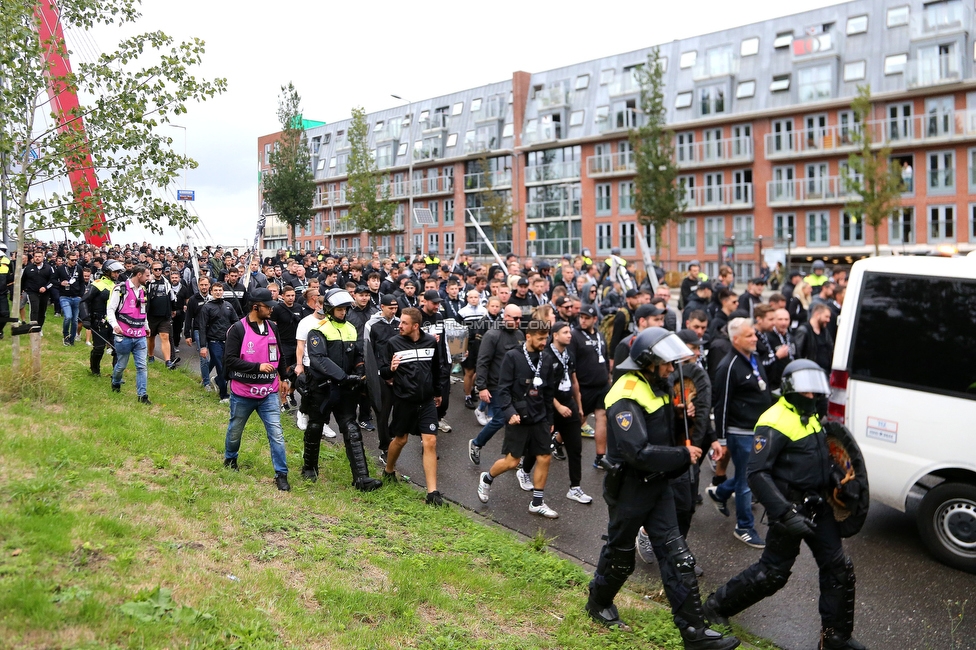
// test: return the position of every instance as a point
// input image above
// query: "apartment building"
(762, 123)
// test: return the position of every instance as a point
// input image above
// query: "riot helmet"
(336, 298)
(804, 376)
(653, 347)
(112, 266)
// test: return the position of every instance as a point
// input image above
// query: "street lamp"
(759, 261)
(409, 179)
(789, 245)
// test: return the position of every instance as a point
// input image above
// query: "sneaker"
(390, 477)
(434, 499)
(144, 399)
(482, 417)
(281, 481)
(284, 408)
(116, 388)
(470, 403)
(587, 431)
(301, 421)
(483, 488)
(722, 505)
(598, 462)
(231, 463)
(150, 359)
(543, 510)
(225, 400)
(367, 425)
(66, 342)
(292, 401)
(645, 550)
(327, 431)
(176, 350)
(474, 452)
(208, 388)
(577, 494)
(311, 475)
(524, 479)
(750, 537)
(382, 457)
(443, 426)
(171, 365)
(88, 343)
(558, 449)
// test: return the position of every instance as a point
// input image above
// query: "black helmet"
(804, 376)
(652, 347)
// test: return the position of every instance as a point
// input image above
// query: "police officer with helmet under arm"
(792, 475)
(644, 452)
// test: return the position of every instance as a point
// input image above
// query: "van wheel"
(947, 523)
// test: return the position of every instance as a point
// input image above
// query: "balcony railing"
(490, 111)
(717, 66)
(552, 172)
(500, 178)
(543, 133)
(711, 197)
(610, 164)
(552, 97)
(940, 18)
(621, 121)
(389, 131)
(933, 70)
(626, 84)
(706, 152)
(435, 122)
(552, 209)
(808, 191)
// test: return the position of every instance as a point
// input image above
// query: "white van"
(904, 382)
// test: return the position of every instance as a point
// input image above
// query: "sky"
(345, 54)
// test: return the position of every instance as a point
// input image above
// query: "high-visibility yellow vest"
(782, 417)
(633, 386)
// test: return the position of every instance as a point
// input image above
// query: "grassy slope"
(102, 500)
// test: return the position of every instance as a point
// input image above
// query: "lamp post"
(759, 260)
(186, 160)
(789, 245)
(409, 179)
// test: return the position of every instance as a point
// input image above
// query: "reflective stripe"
(783, 418)
(632, 386)
(419, 354)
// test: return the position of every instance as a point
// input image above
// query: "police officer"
(337, 375)
(790, 471)
(817, 276)
(5, 278)
(643, 453)
(97, 300)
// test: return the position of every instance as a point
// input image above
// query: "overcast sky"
(345, 54)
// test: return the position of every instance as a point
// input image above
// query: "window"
(407, 119)
(682, 100)
(814, 83)
(742, 186)
(628, 243)
(508, 130)
(814, 131)
(448, 243)
(582, 82)
(606, 76)
(451, 140)
(650, 235)
(749, 46)
(448, 212)
(457, 109)
(718, 61)
(741, 140)
(847, 125)
(934, 314)
(902, 226)
(940, 112)
(972, 171)
(603, 235)
(603, 198)
(688, 59)
(576, 118)
(327, 138)
(433, 205)
(398, 244)
(782, 136)
(627, 197)
(780, 83)
(784, 189)
(972, 222)
(900, 122)
(851, 229)
(402, 149)
(855, 70)
(711, 99)
(267, 154)
(784, 228)
(941, 171)
(713, 148)
(818, 229)
(895, 63)
(714, 189)
(475, 105)
(745, 89)
(783, 39)
(714, 233)
(685, 147)
(688, 236)
(742, 228)
(321, 164)
(897, 16)
(942, 223)
(688, 184)
(857, 25)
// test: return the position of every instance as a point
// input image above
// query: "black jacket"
(418, 376)
(700, 426)
(192, 321)
(358, 317)
(694, 304)
(433, 324)
(737, 396)
(34, 277)
(517, 393)
(494, 344)
(216, 317)
(287, 319)
(237, 297)
(66, 274)
(810, 346)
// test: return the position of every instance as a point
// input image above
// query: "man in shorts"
(593, 372)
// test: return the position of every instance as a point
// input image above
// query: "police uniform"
(96, 298)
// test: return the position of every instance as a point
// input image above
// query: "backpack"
(606, 325)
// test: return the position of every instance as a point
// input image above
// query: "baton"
(684, 419)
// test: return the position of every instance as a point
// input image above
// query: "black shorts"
(593, 397)
(470, 362)
(160, 325)
(527, 439)
(413, 418)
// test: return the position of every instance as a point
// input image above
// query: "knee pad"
(773, 580)
(679, 553)
(352, 434)
(618, 562)
(841, 573)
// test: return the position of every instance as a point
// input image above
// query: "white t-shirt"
(305, 326)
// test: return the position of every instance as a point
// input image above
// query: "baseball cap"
(544, 264)
(704, 285)
(263, 296)
(632, 293)
(647, 310)
(561, 300)
(432, 296)
(388, 300)
(522, 282)
(588, 310)
(690, 338)
(757, 280)
(362, 288)
(445, 268)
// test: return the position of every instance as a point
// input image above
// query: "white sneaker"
(481, 417)
(644, 547)
(88, 343)
(443, 426)
(226, 400)
(483, 488)
(327, 431)
(301, 421)
(577, 494)
(524, 479)
(544, 510)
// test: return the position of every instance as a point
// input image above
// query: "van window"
(916, 332)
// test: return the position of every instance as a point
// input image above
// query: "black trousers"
(685, 487)
(37, 303)
(4, 307)
(383, 416)
(569, 430)
(101, 335)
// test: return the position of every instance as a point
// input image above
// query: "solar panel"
(424, 217)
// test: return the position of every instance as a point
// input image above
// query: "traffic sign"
(185, 195)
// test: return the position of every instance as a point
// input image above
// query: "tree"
(658, 198)
(370, 207)
(496, 207)
(289, 186)
(135, 89)
(869, 175)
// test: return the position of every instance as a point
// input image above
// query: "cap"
(544, 264)
(261, 295)
(758, 280)
(568, 257)
(588, 310)
(818, 264)
(445, 268)
(362, 288)
(704, 285)
(561, 300)
(632, 293)
(388, 300)
(432, 296)
(689, 337)
(647, 310)
(694, 263)
(523, 282)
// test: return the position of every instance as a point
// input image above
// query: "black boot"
(838, 587)
(690, 615)
(357, 460)
(831, 639)
(612, 571)
(310, 455)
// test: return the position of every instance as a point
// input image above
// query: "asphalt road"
(905, 599)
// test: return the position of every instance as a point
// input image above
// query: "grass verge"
(120, 529)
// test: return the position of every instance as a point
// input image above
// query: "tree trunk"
(877, 246)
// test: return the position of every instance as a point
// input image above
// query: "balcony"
(940, 18)
(559, 171)
(334, 198)
(500, 179)
(715, 152)
(611, 164)
(433, 185)
(621, 121)
(626, 85)
(552, 97)
(810, 142)
(435, 122)
(933, 70)
(389, 131)
(809, 191)
(713, 67)
(543, 133)
(552, 209)
(737, 196)
(490, 112)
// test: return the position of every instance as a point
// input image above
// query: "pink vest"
(256, 348)
(131, 315)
